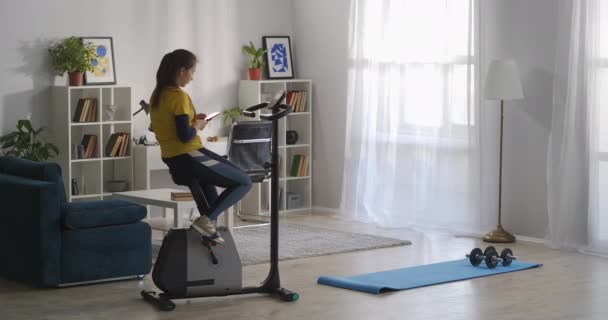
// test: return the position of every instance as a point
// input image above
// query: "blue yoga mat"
(420, 276)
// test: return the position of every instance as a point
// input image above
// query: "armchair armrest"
(30, 232)
(91, 214)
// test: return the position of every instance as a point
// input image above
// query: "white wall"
(321, 39)
(519, 29)
(525, 31)
(142, 31)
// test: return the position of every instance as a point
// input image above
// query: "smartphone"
(212, 115)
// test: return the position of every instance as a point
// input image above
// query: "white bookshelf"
(257, 201)
(92, 173)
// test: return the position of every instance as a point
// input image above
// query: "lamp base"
(499, 235)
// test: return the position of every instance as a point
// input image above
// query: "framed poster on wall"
(104, 71)
(278, 57)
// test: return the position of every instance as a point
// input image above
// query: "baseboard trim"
(75, 284)
(530, 239)
(324, 210)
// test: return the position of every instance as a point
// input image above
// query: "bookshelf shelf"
(295, 178)
(81, 125)
(86, 196)
(295, 146)
(117, 122)
(296, 187)
(86, 160)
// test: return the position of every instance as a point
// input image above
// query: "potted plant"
(74, 56)
(255, 64)
(26, 143)
(230, 116)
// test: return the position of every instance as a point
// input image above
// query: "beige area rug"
(300, 241)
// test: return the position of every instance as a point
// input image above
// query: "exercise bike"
(190, 265)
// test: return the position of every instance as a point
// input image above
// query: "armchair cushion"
(90, 214)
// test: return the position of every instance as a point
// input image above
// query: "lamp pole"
(499, 235)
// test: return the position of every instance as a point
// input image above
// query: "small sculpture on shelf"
(110, 111)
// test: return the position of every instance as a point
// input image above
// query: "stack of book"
(297, 99)
(89, 146)
(181, 196)
(86, 111)
(299, 165)
(117, 145)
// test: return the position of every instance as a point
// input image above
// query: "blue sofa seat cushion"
(90, 214)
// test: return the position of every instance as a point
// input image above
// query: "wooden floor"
(568, 286)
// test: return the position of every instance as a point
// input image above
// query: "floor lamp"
(502, 83)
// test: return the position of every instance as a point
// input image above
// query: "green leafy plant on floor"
(26, 143)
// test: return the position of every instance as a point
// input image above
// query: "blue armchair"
(46, 241)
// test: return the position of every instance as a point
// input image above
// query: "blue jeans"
(202, 171)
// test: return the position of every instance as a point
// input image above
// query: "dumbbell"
(507, 257)
(490, 257)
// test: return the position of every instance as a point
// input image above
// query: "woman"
(176, 125)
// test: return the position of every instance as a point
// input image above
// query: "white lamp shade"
(503, 82)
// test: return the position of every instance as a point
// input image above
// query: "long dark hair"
(170, 65)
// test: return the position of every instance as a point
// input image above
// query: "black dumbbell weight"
(507, 257)
(488, 249)
(492, 259)
(477, 256)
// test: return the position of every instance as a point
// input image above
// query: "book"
(181, 196)
(92, 147)
(85, 110)
(125, 144)
(110, 145)
(295, 165)
(302, 168)
(116, 146)
(74, 187)
(78, 112)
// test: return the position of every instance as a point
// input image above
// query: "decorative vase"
(110, 111)
(254, 73)
(76, 78)
(291, 137)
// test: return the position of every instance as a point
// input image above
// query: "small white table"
(146, 159)
(162, 198)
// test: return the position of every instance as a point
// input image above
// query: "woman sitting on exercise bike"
(176, 125)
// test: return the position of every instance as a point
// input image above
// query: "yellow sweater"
(173, 101)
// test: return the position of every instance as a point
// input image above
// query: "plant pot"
(254, 73)
(76, 78)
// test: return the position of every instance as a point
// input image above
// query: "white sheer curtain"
(577, 175)
(412, 155)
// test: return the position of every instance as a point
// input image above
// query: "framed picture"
(104, 71)
(278, 58)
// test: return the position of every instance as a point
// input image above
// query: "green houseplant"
(230, 115)
(74, 56)
(26, 143)
(256, 63)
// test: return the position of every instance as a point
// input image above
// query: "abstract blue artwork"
(280, 63)
(103, 65)
(278, 57)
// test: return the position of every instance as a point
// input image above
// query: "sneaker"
(206, 227)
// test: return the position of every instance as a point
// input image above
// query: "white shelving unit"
(92, 174)
(257, 201)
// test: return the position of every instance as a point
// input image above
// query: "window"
(421, 53)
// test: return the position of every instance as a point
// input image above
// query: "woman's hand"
(200, 124)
